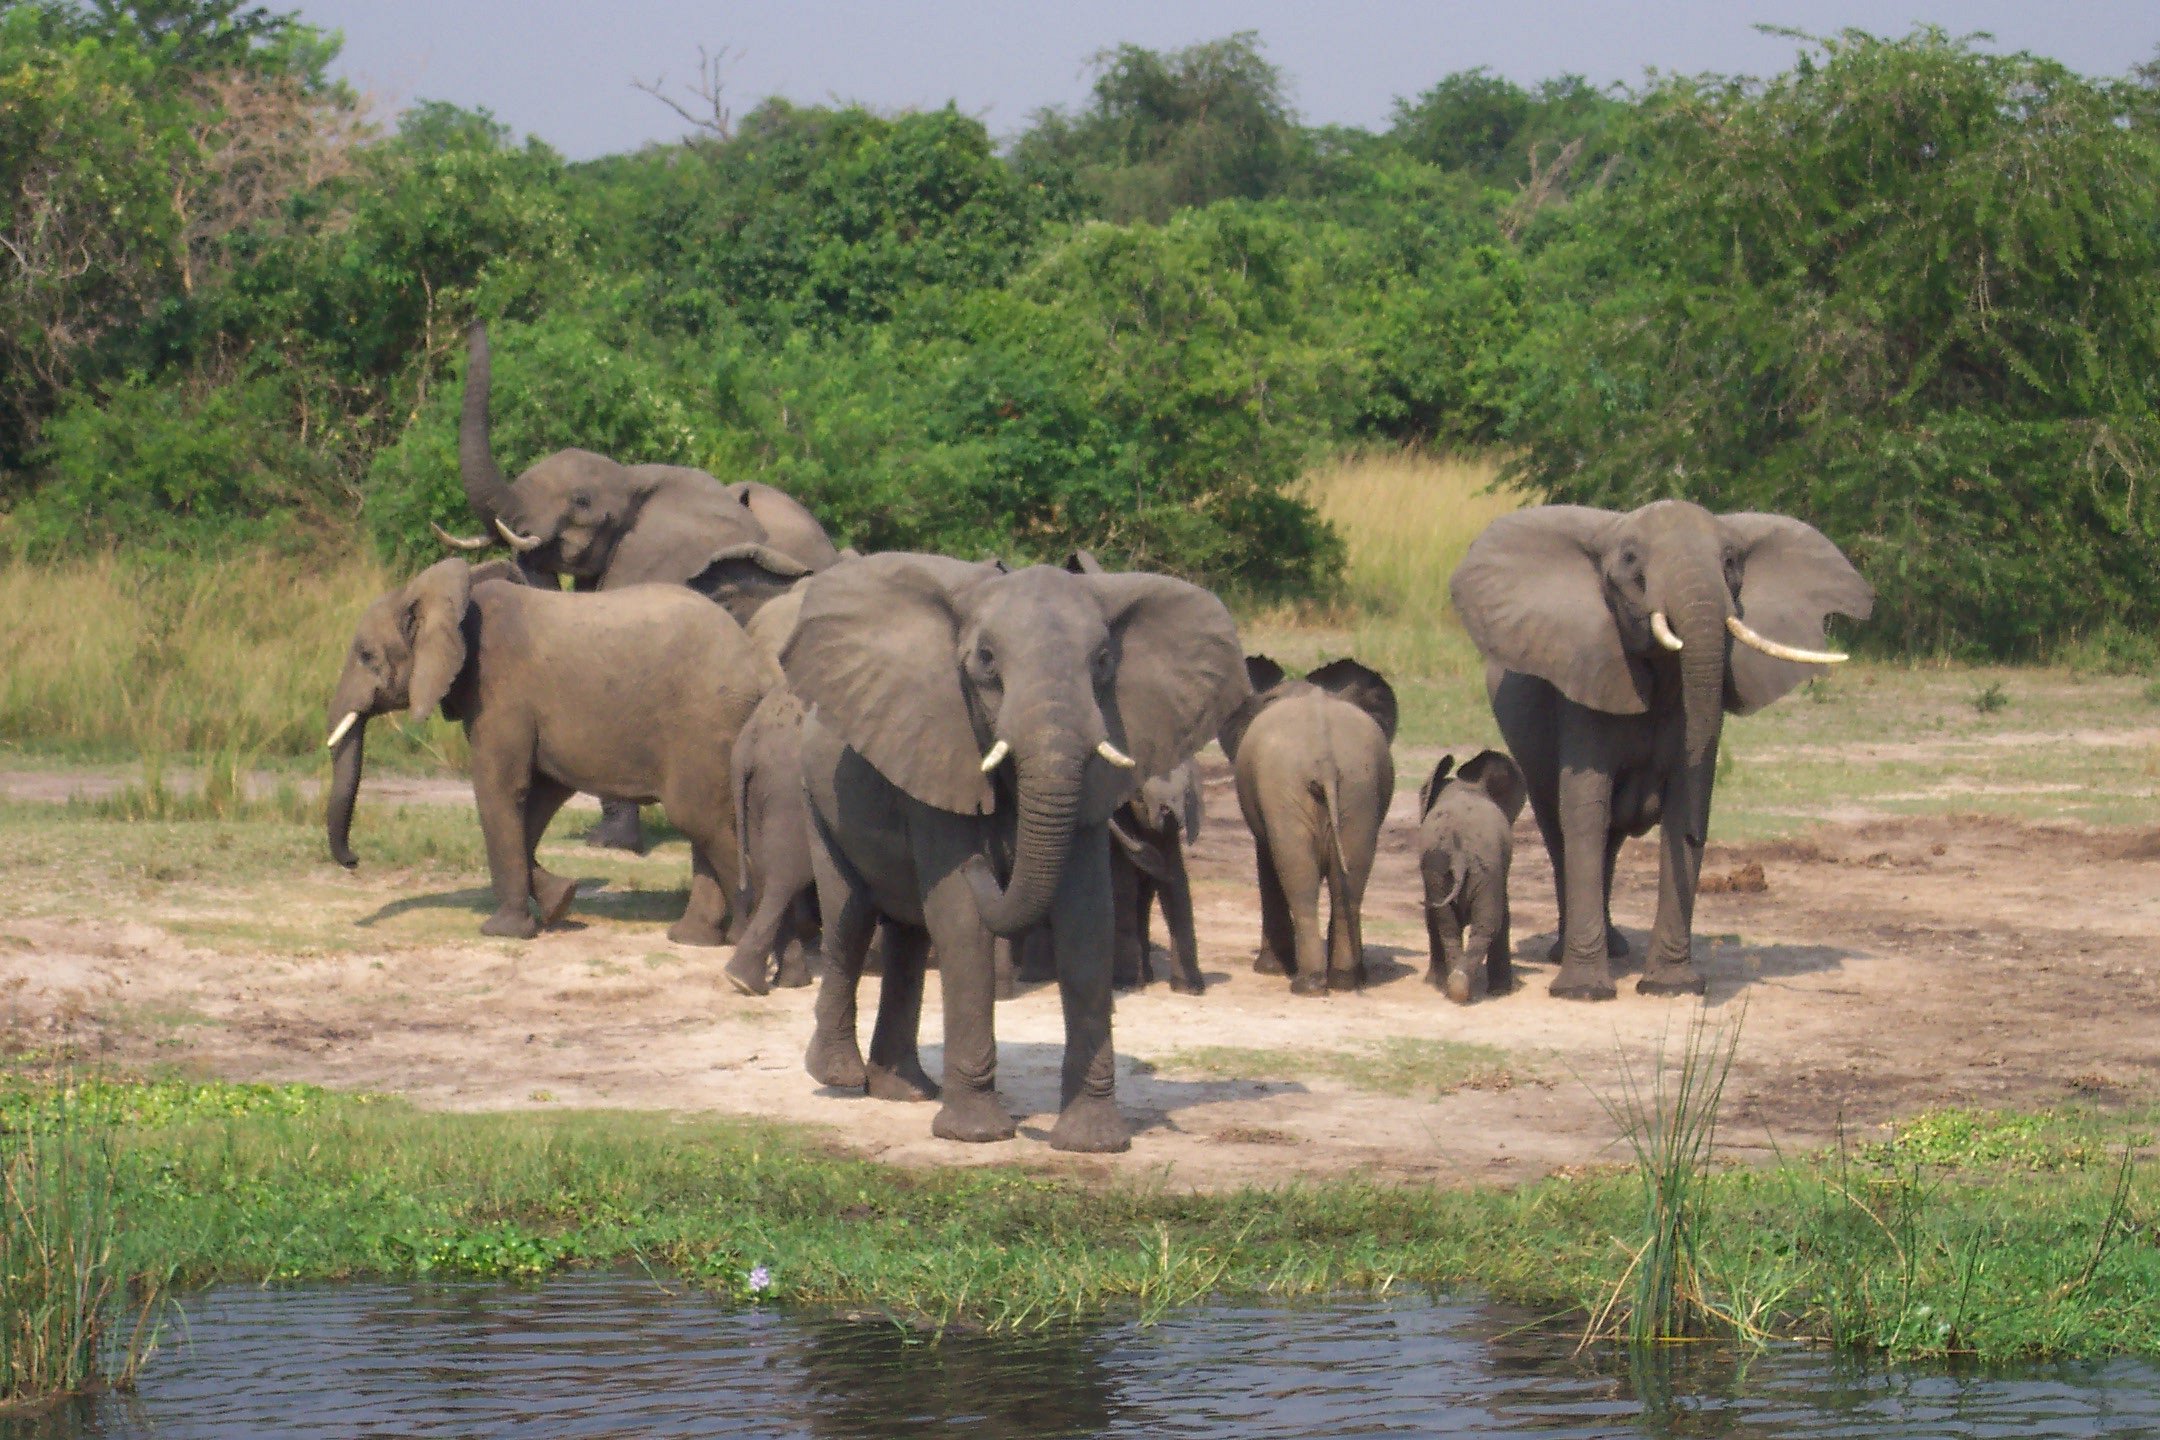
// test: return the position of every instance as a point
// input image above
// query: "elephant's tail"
(1341, 909)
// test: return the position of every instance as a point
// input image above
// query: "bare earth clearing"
(1891, 962)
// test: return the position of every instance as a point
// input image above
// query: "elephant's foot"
(1311, 983)
(975, 1117)
(553, 894)
(515, 924)
(1616, 946)
(1581, 981)
(1671, 979)
(1183, 984)
(794, 968)
(1267, 962)
(687, 931)
(1091, 1126)
(619, 829)
(746, 972)
(836, 1062)
(902, 1081)
(1464, 985)
(1349, 981)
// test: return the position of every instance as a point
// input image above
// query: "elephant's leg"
(1004, 970)
(1177, 908)
(551, 892)
(1443, 931)
(1548, 823)
(798, 936)
(619, 828)
(1144, 923)
(1616, 945)
(1586, 827)
(1300, 873)
(761, 937)
(707, 815)
(1081, 928)
(1128, 965)
(1500, 959)
(896, 1071)
(1670, 967)
(1346, 910)
(1278, 936)
(1034, 961)
(502, 778)
(835, 1054)
(971, 1110)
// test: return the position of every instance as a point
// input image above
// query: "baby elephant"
(633, 694)
(773, 826)
(1148, 836)
(1465, 845)
(1314, 777)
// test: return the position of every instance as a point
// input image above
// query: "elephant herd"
(994, 766)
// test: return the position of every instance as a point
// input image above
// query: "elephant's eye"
(1099, 665)
(581, 501)
(985, 663)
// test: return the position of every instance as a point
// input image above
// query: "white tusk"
(352, 717)
(458, 542)
(1771, 647)
(995, 756)
(1115, 756)
(519, 543)
(1663, 630)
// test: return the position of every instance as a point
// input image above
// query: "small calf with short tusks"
(1465, 845)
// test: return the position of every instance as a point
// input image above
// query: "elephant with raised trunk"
(970, 732)
(1615, 644)
(1314, 778)
(636, 695)
(608, 525)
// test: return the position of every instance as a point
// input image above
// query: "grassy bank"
(1976, 1234)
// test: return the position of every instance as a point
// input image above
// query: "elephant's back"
(655, 640)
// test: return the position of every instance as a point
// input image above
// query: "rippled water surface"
(609, 1355)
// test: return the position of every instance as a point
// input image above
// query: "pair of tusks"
(1663, 630)
(995, 756)
(517, 542)
(352, 718)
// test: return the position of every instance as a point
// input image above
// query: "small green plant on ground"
(1393, 1065)
(1962, 1139)
(1991, 698)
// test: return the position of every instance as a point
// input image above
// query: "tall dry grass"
(115, 657)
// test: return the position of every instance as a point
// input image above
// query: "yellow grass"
(119, 657)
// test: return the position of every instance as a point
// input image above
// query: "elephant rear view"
(1466, 845)
(1314, 777)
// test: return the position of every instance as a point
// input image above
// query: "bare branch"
(712, 117)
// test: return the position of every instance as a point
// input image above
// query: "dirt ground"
(1885, 965)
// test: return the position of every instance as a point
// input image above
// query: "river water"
(608, 1355)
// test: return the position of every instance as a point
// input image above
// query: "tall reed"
(72, 1315)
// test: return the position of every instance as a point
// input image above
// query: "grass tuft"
(1406, 1065)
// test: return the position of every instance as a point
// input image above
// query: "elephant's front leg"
(502, 778)
(896, 1071)
(1128, 896)
(971, 1110)
(1585, 827)
(1670, 968)
(835, 1054)
(1081, 928)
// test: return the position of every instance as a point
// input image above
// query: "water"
(607, 1355)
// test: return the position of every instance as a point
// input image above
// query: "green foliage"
(1840, 294)
(1965, 1139)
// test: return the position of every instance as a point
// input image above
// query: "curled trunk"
(490, 496)
(344, 790)
(1047, 808)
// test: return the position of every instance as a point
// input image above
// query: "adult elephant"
(1614, 646)
(608, 525)
(970, 732)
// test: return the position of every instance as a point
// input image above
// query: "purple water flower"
(760, 1279)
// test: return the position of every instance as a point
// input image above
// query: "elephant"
(636, 694)
(772, 824)
(1314, 778)
(1614, 646)
(1466, 843)
(608, 525)
(969, 733)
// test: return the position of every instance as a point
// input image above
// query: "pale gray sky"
(561, 69)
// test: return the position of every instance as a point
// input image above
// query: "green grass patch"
(1964, 1139)
(1405, 1065)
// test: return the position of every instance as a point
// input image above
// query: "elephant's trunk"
(491, 497)
(1700, 622)
(345, 789)
(1047, 808)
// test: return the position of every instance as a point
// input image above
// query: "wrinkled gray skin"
(608, 526)
(914, 668)
(1615, 733)
(1466, 843)
(1148, 836)
(1314, 777)
(636, 695)
(772, 822)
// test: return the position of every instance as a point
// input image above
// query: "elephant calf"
(635, 694)
(772, 823)
(1314, 777)
(1466, 843)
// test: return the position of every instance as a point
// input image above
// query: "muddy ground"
(1883, 965)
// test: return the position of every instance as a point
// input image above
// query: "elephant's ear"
(1499, 777)
(1262, 673)
(1179, 671)
(1434, 784)
(743, 576)
(1264, 677)
(1530, 594)
(1365, 688)
(1083, 562)
(435, 626)
(875, 649)
(1791, 578)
